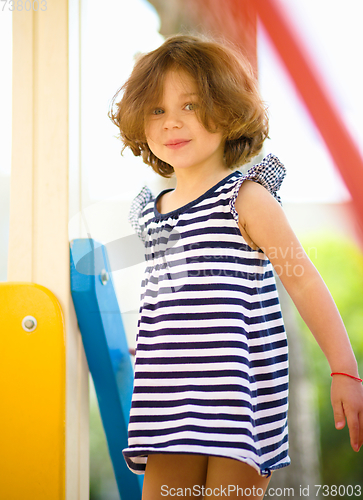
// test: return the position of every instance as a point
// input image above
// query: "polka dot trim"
(137, 206)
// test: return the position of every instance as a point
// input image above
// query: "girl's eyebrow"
(187, 94)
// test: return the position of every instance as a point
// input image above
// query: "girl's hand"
(347, 402)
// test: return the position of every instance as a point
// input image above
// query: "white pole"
(39, 202)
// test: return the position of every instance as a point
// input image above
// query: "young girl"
(209, 408)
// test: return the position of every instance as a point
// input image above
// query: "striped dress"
(211, 366)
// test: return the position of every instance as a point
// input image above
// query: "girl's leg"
(166, 472)
(233, 479)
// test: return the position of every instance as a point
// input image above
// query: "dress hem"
(139, 468)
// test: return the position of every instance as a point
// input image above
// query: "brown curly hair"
(227, 89)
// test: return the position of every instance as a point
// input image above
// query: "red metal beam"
(316, 96)
(236, 20)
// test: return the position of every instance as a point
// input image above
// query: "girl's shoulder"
(270, 173)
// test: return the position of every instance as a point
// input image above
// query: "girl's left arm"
(264, 225)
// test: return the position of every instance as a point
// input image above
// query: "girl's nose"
(172, 120)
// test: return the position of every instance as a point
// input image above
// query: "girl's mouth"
(177, 143)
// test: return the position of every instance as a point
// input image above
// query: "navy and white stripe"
(211, 368)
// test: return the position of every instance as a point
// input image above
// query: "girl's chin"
(183, 168)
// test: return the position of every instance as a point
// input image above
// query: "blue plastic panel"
(106, 348)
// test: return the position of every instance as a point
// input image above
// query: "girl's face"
(174, 133)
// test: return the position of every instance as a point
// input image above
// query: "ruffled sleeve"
(137, 206)
(269, 173)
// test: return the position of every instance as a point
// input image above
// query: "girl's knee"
(236, 478)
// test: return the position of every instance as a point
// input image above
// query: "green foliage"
(340, 263)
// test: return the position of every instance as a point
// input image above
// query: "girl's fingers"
(360, 430)
(347, 402)
(339, 417)
(360, 442)
(355, 424)
(354, 429)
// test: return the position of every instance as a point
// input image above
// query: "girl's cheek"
(149, 132)
(150, 142)
(152, 147)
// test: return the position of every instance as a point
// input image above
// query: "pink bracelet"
(347, 375)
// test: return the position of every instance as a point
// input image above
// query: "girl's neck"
(190, 187)
(197, 183)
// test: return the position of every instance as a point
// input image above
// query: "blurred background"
(315, 199)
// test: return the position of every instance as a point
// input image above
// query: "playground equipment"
(39, 254)
(33, 377)
(44, 370)
(106, 348)
(32, 374)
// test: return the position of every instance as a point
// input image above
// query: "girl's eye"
(157, 111)
(190, 106)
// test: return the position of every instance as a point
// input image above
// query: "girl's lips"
(177, 144)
